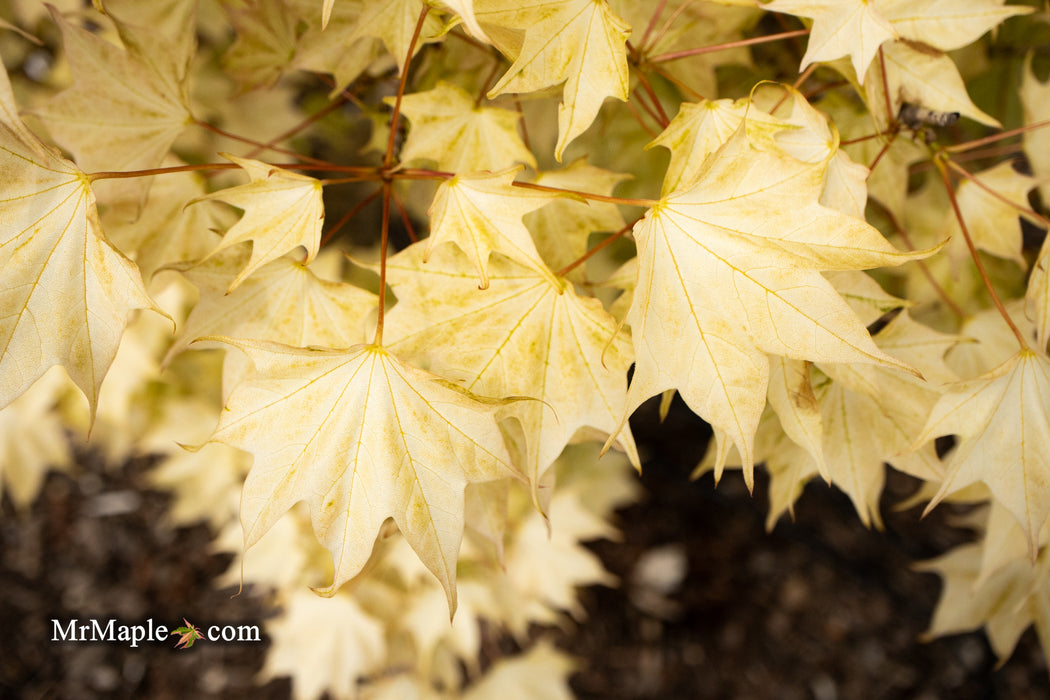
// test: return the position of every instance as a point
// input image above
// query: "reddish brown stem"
(388, 157)
(384, 239)
(312, 119)
(590, 253)
(258, 144)
(405, 220)
(119, 175)
(975, 180)
(663, 120)
(330, 234)
(946, 178)
(652, 23)
(641, 122)
(648, 203)
(960, 147)
(676, 55)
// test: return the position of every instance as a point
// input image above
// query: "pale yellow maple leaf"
(854, 28)
(324, 644)
(791, 396)
(267, 41)
(541, 673)
(361, 437)
(284, 301)
(888, 183)
(528, 334)
(946, 24)
(465, 10)
(282, 211)
(1005, 602)
(450, 129)
(481, 214)
(324, 48)
(845, 182)
(33, 439)
(126, 106)
(990, 341)
(65, 292)
(730, 270)
(1035, 103)
(864, 295)
(561, 228)
(546, 562)
(921, 75)
(1037, 297)
(872, 417)
(994, 224)
(579, 42)
(393, 22)
(1002, 420)
(699, 129)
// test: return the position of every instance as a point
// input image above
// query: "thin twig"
(590, 253)
(676, 55)
(946, 178)
(345, 218)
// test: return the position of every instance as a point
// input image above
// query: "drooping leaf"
(481, 214)
(126, 106)
(449, 129)
(361, 437)
(854, 28)
(282, 211)
(729, 271)
(528, 334)
(65, 292)
(579, 42)
(1002, 420)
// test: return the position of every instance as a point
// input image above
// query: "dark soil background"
(820, 608)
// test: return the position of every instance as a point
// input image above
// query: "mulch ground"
(821, 608)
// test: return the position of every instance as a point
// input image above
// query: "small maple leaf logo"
(190, 634)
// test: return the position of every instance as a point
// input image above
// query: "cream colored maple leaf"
(700, 129)
(465, 10)
(579, 42)
(1005, 602)
(282, 211)
(730, 270)
(854, 28)
(541, 673)
(127, 105)
(267, 39)
(449, 129)
(993, 224)
(326, 48)
(920, 75)
(65, 292)
(324, 645)
(284, 301)
(1035, 102)
(481, 214)
(361, 437)
(946, 24)
(528, 334)
(1037, 297)
(393, 22)
(1002, 420)
(32, 439)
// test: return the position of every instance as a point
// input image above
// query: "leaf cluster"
(393, 261)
